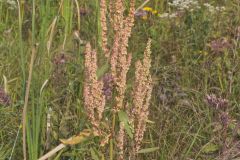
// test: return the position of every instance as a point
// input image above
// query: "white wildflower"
(164, 15)
(167, 15)
(184, 4)
(213, 9)
(173, 15)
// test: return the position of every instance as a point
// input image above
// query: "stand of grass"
(38, 98)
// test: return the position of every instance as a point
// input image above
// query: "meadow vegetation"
(120, 79)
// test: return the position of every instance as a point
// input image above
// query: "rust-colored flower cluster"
(94, 99)
(103, 11)
(97, 92)
(141, 96)
(119, 58)
(120, 141)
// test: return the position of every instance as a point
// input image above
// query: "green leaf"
(94, 154)
(210, 148)
(232, 125)
(129, 130)
(123, 117)
(102, 70)
(148, 150)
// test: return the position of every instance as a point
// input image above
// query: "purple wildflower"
(140, 13)
(217, 103)
(224, 117)
(219, 45)
(107, 85)
(4, 98)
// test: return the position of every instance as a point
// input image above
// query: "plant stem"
(111, 140)
(26, 102)
(21, 43)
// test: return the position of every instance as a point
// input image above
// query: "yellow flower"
(154, 12)
(148, 9)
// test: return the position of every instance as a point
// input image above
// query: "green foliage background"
(185, 69)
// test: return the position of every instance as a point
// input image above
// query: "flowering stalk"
(103, 19)
(94, 99)
(96, 93)
(141, 97)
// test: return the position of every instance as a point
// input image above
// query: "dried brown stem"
(52, 152)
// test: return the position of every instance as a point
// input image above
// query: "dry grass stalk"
(48, 129)
(142, 5)
(52, 152)
(94, 99)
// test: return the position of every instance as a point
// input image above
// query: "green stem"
(21, 45)
(111, 140)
